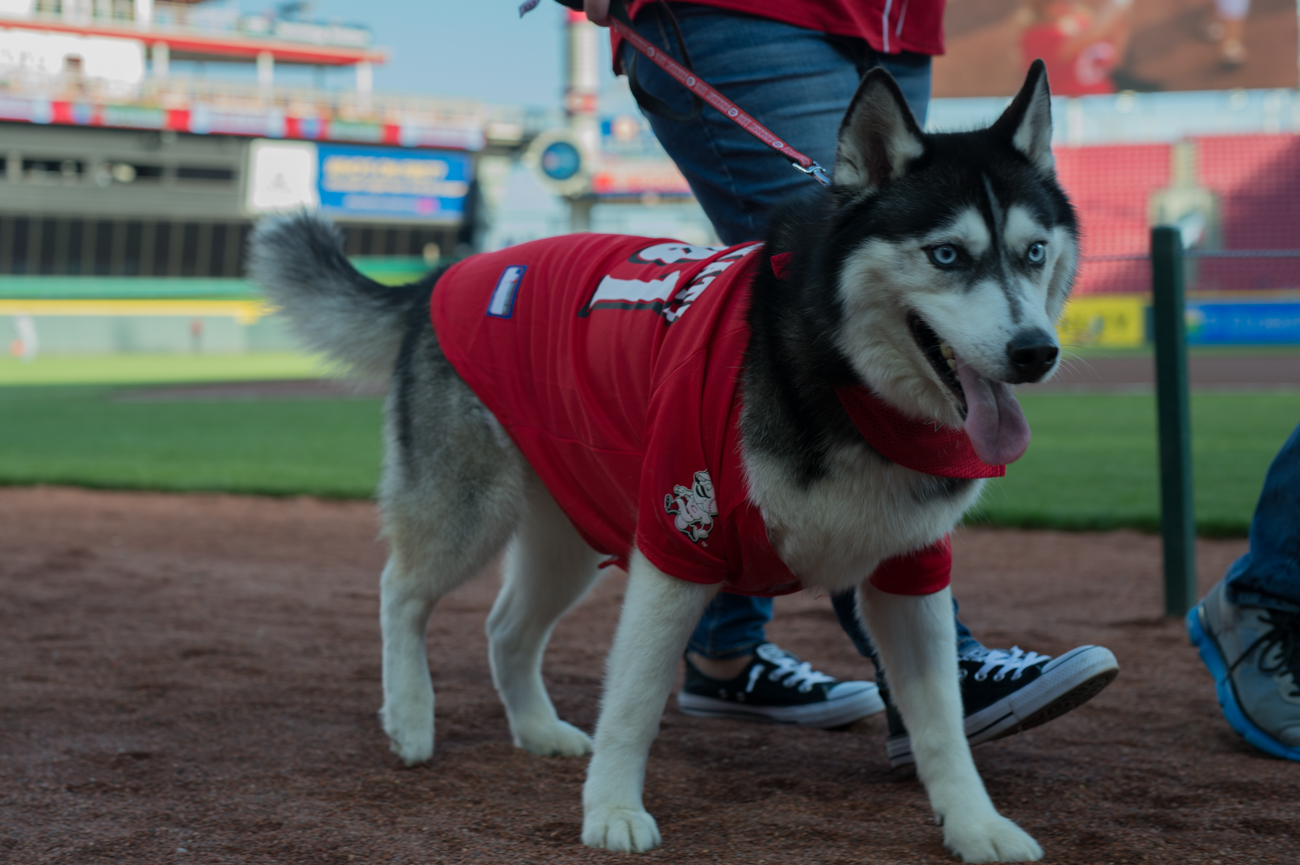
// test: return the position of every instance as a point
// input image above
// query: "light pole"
(582, 84)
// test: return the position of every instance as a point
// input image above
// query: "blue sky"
(475, 48)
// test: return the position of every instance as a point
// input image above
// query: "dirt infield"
(1204, 372)
(195, 679)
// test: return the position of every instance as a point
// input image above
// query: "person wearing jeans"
(1248, 627)
(794, 65)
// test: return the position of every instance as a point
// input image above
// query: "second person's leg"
(1248, 627)
(798, 83)
(733, 672)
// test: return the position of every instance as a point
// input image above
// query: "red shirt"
(614, 363)
(889, 26)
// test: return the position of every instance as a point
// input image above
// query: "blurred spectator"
(1227, 28)
(1082, 42)
(25, 345)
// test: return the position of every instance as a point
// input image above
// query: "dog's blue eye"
(944, 256)
(1037, 253)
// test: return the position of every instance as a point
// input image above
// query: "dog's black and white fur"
(928, 251)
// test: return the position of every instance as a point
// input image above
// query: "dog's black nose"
(1032, 354)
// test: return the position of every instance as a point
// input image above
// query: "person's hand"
(597, 11)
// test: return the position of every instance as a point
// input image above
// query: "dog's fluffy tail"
(334, 309)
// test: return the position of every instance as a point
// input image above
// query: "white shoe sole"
(1067, 682)
(830, 713)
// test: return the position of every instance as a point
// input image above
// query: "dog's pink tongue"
(994, 421)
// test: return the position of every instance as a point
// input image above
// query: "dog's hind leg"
(407, 599)
(548, 569)
(659, 612)
(452, 495)
(917, 641)
(427, 561)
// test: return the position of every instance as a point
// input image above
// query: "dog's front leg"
(659, 612)
(917, 642)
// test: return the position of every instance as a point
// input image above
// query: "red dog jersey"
(614, 363)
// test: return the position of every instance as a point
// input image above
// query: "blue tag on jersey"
(502, 304)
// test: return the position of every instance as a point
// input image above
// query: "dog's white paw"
(989, 839)
(553, 739)
(623, 830)
(410, 737)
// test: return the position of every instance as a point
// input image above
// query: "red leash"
(703, 90)
(729, 109)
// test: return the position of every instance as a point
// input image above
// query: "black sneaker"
(778, 688)
(1004, 691)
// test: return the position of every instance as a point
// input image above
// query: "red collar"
(781, 263)
(920, 445)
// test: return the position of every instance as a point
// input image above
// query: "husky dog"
(931, 272)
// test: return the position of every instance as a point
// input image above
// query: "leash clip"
(816, 172)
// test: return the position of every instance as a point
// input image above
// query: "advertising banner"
(615, 177)
(1105, 46)
(1243, 323)
(1124, 321)
(1114, 321)
(389, 184)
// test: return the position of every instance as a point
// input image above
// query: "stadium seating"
(1111, 187)
(1255, 180)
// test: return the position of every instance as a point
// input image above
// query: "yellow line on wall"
(244, 311)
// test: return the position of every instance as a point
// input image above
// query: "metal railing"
(1197, 253)
(1177, 513)
(1169, 321)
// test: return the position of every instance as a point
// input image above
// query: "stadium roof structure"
(86, 63)
(188, 35)
(199, 45)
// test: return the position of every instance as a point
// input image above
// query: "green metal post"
(1177, 519)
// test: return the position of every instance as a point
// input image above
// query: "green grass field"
(80, 435)
(1092, 464)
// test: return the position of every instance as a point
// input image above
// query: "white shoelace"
(1014, 661)
(793, 672)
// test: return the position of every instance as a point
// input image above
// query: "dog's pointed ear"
(878, 136)
(1028, 119)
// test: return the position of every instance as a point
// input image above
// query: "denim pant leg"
(796, 82)
(1269, 575)
(732, 625)
(846, 611)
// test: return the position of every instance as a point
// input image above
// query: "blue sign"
(1243, 323)
(560, 160)
(380, 182)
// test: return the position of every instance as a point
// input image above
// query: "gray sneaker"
(1254, 655)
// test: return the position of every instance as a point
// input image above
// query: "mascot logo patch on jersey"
(693, 507)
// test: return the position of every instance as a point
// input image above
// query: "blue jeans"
(797, 83)
(732, 625)
(1269, 575)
